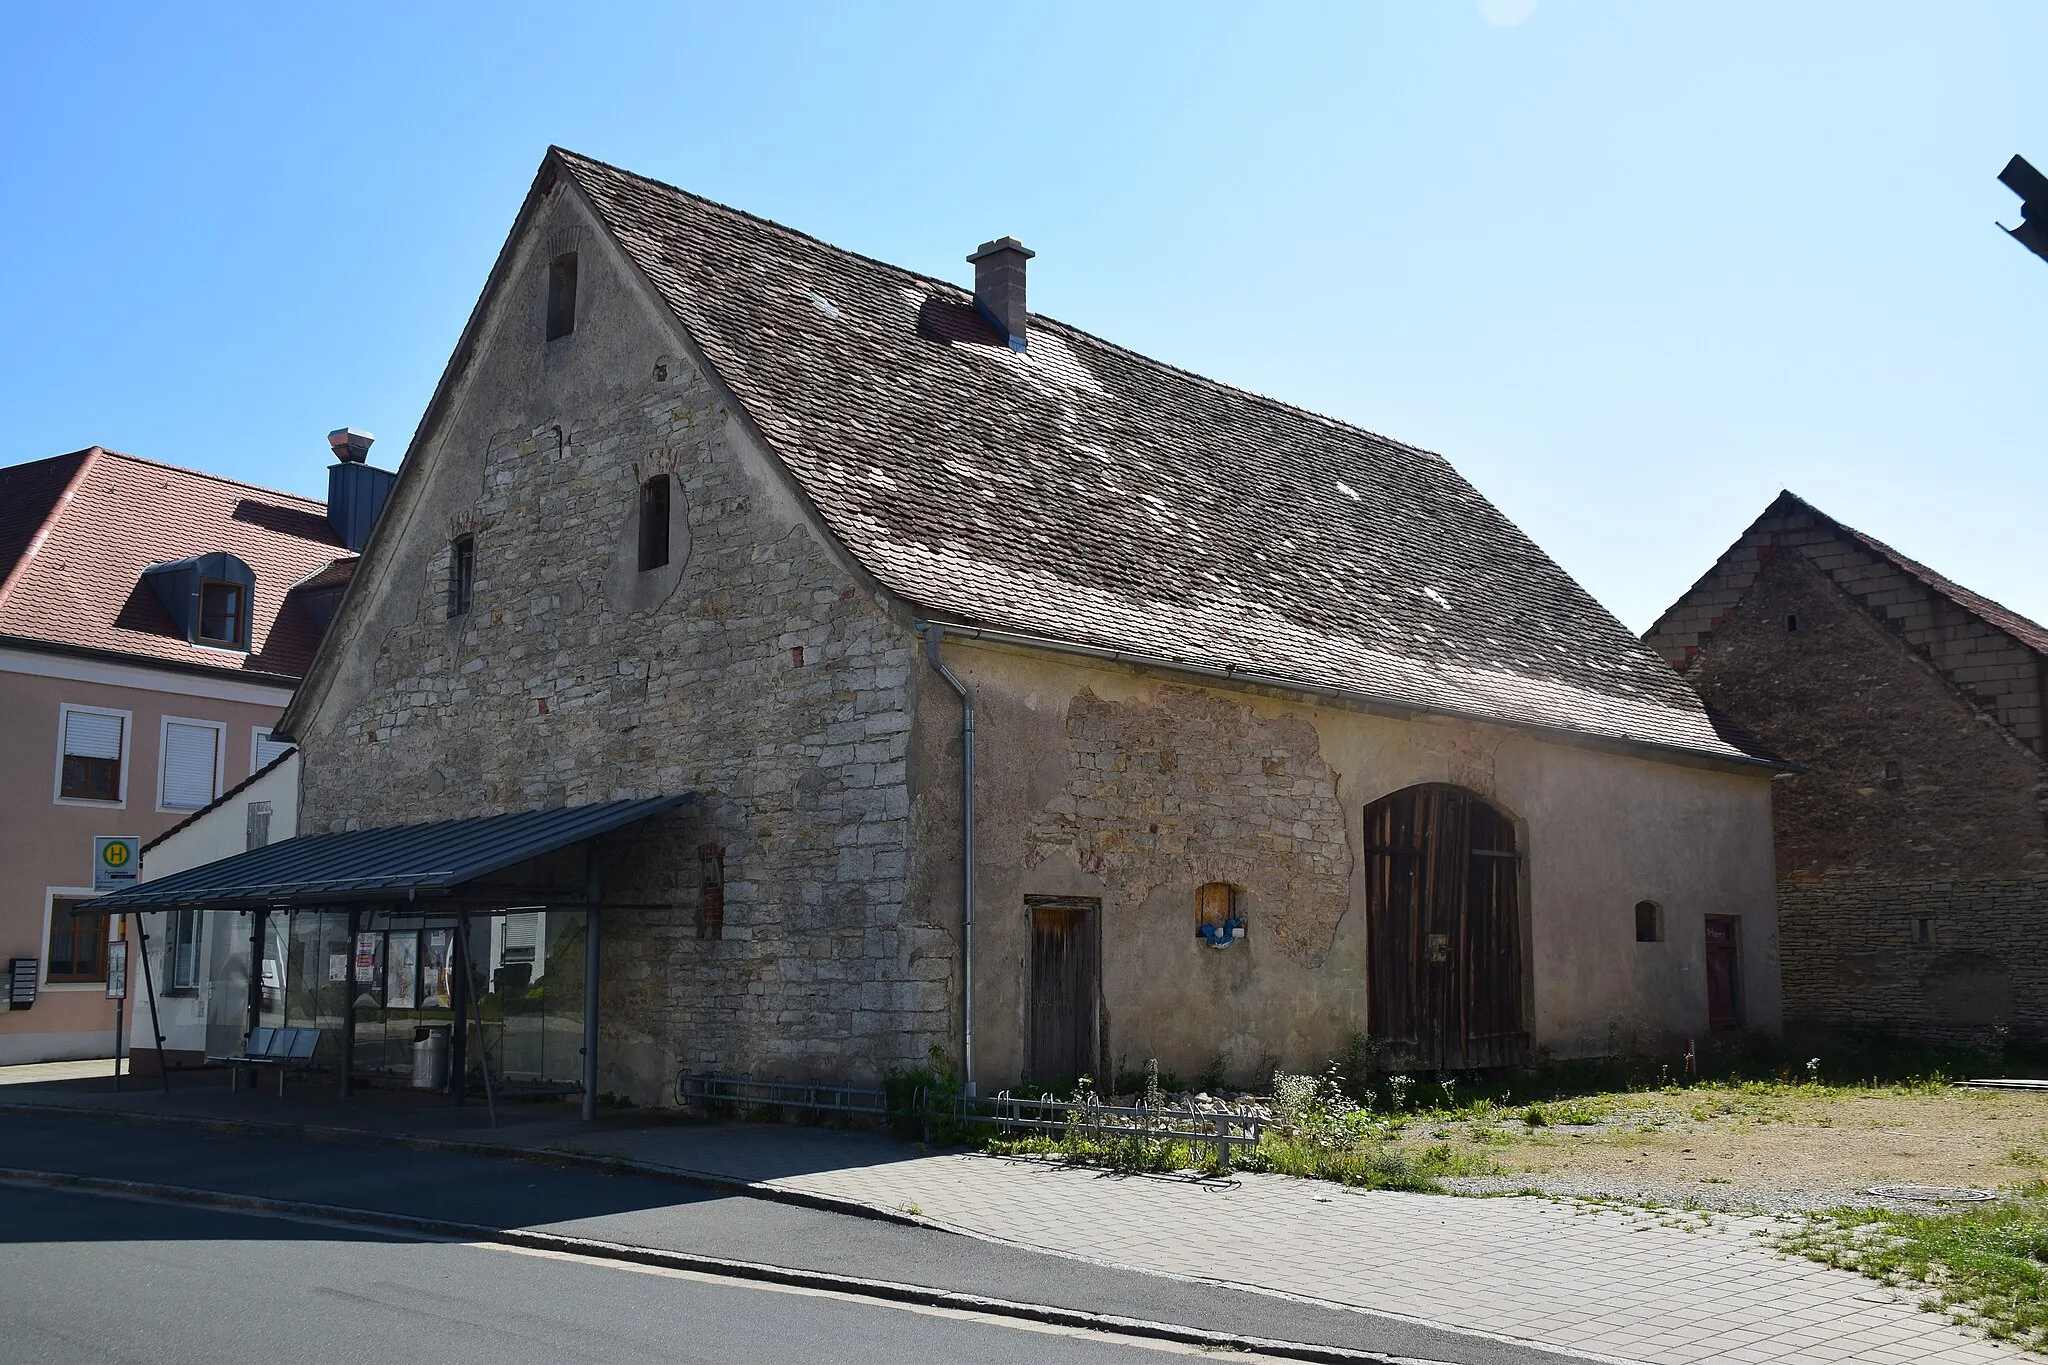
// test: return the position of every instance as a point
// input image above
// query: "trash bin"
(430, 1059)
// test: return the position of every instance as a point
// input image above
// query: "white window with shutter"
(268, 749)
(92, 744)
(191, 763)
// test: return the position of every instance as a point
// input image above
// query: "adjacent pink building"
(153, 623)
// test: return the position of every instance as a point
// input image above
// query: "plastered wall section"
(753, 670)
(1100, 782)
(46, 844)
(1914, 803)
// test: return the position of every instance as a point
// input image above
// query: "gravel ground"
(1787, 1198)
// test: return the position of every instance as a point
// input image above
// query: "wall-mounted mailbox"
(21, 982)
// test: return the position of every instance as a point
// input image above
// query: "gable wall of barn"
(1912, 851)
(755, 670)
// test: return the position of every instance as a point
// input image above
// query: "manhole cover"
(1933, 1194)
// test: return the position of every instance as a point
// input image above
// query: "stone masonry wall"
(753, 671)
(2001, 674)
(1914, 803)
(1198, 785)
(1851, 954)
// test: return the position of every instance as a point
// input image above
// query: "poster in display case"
(436, 976)
(402, 970)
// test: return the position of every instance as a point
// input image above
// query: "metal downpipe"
(933, 633)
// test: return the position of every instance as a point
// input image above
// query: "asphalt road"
(225, 1279)
(94, 1280)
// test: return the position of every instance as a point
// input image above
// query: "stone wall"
(1998, 672)
(1914, 802)
(754, 670)
(1854, 954)
(1195, 785)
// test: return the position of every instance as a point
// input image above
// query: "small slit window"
(461, 575)
(1649, 922)
(654, 505)
(562, 296)
(1893, 777)
(1792, 625)
(1923, 930)
(223, 610)
(711, 885)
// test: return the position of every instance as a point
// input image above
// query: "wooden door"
(1724, 980)
(1063, 992)
(1444, 930)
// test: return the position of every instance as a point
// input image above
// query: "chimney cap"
(350, 445)
(1002, 244)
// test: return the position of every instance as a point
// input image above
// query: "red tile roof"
(76, 532)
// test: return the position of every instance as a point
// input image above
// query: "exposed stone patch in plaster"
(1192, 787)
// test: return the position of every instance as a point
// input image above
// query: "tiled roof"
(1079, 492)
(28, 494)
(2028, 633)
(81, 584)
(334, 574)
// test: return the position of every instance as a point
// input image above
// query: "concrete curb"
(882, 1290)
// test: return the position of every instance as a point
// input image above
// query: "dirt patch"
(1768, 1146)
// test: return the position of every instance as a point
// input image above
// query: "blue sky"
(1632, 267)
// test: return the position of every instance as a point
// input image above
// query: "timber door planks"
(1064, 991)
(1724, 979)
(1444, 930)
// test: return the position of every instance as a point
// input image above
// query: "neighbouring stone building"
(1913, 846)
(1281, 732)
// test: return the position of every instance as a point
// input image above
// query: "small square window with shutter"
(92, 756)
(191, 765)
(259, 824)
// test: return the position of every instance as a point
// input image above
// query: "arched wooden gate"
(1444, 930)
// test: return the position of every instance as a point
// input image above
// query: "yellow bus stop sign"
(116, 858)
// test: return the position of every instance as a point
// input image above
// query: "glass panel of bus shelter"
(225, 941)
(316, 974)
(277, 929)
(562, 997)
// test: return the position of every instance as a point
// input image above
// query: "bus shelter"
(486, 928)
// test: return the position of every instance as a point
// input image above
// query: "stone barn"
(1912, 846)
(1036, 701)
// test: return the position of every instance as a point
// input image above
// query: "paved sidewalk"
(1661, 1289)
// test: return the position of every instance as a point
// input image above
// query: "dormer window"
(207, 597)
(223, 613)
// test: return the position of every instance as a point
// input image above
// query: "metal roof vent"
(351, 446)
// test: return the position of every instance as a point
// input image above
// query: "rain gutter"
(1362, 700)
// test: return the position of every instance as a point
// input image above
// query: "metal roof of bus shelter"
(380, 864)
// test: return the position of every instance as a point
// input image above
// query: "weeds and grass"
(1985, 1264)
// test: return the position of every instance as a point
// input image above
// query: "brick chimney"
(999, 286)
